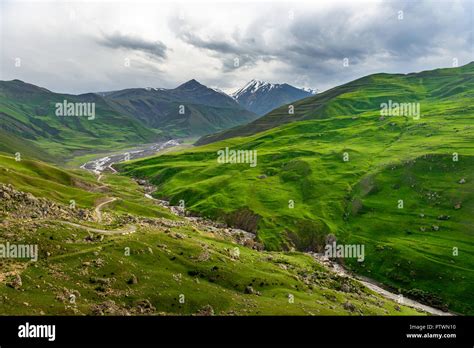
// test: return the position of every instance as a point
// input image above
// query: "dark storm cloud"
(212, 45)
(176, 42)
(118, 40)
(396, 33)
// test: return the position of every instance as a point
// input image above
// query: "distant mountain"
(29, 122)
(262, 97)
(188, 110)
(329, 103)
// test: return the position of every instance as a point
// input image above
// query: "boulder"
(15, 282)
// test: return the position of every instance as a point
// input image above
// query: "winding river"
(105, 163)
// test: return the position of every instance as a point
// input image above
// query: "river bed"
(105, 163)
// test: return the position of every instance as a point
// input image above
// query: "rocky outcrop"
(23, 205)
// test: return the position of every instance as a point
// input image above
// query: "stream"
(101, 164)
(105, 163)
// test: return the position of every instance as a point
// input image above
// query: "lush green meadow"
(29, 125)
(159, 269)
(346, 168)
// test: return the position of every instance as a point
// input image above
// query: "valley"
(142, 259)
(137, 227)
(401, 186)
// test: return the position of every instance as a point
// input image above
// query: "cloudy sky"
(94, 46)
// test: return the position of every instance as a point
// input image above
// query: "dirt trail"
(126, 230)
(97, 211)
(334, 267)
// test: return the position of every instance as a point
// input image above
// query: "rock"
(67, 295)
(435, 228)
(99, 262)
(108, 308)
(462, 181)
(443, 217)
(397, 308)
(145, 307)
(234, 253)
(345, 287)
(262, 176)
(349, 306)
(422, 215)
(133, 280)
(249, 290)
(204, 256)
(207, 310)
(457, 206)
(15, 282)
(103, 281)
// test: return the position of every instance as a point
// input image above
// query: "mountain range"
(336, 168)
(190, 109)
(261, 97)
(125, 117)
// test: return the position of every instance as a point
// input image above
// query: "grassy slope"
(162, 113)
(44, 180)
(303, 162)
(348, 99)
(28, 117)
(12, 144)
(166, 267)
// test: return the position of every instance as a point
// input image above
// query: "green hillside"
(168, 266)
(191, 109)
(361, 95)
(346, 168)
(12, 144)
(28, 120)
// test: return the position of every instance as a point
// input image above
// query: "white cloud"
(83, 46)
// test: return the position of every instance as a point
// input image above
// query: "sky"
(91, 46)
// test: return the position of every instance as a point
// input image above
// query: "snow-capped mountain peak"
(310, 90)
(261, 96)
(252, 87)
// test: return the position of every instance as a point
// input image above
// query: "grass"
(166, 269)
(30, 125)
(198, 265)
(301, 159)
